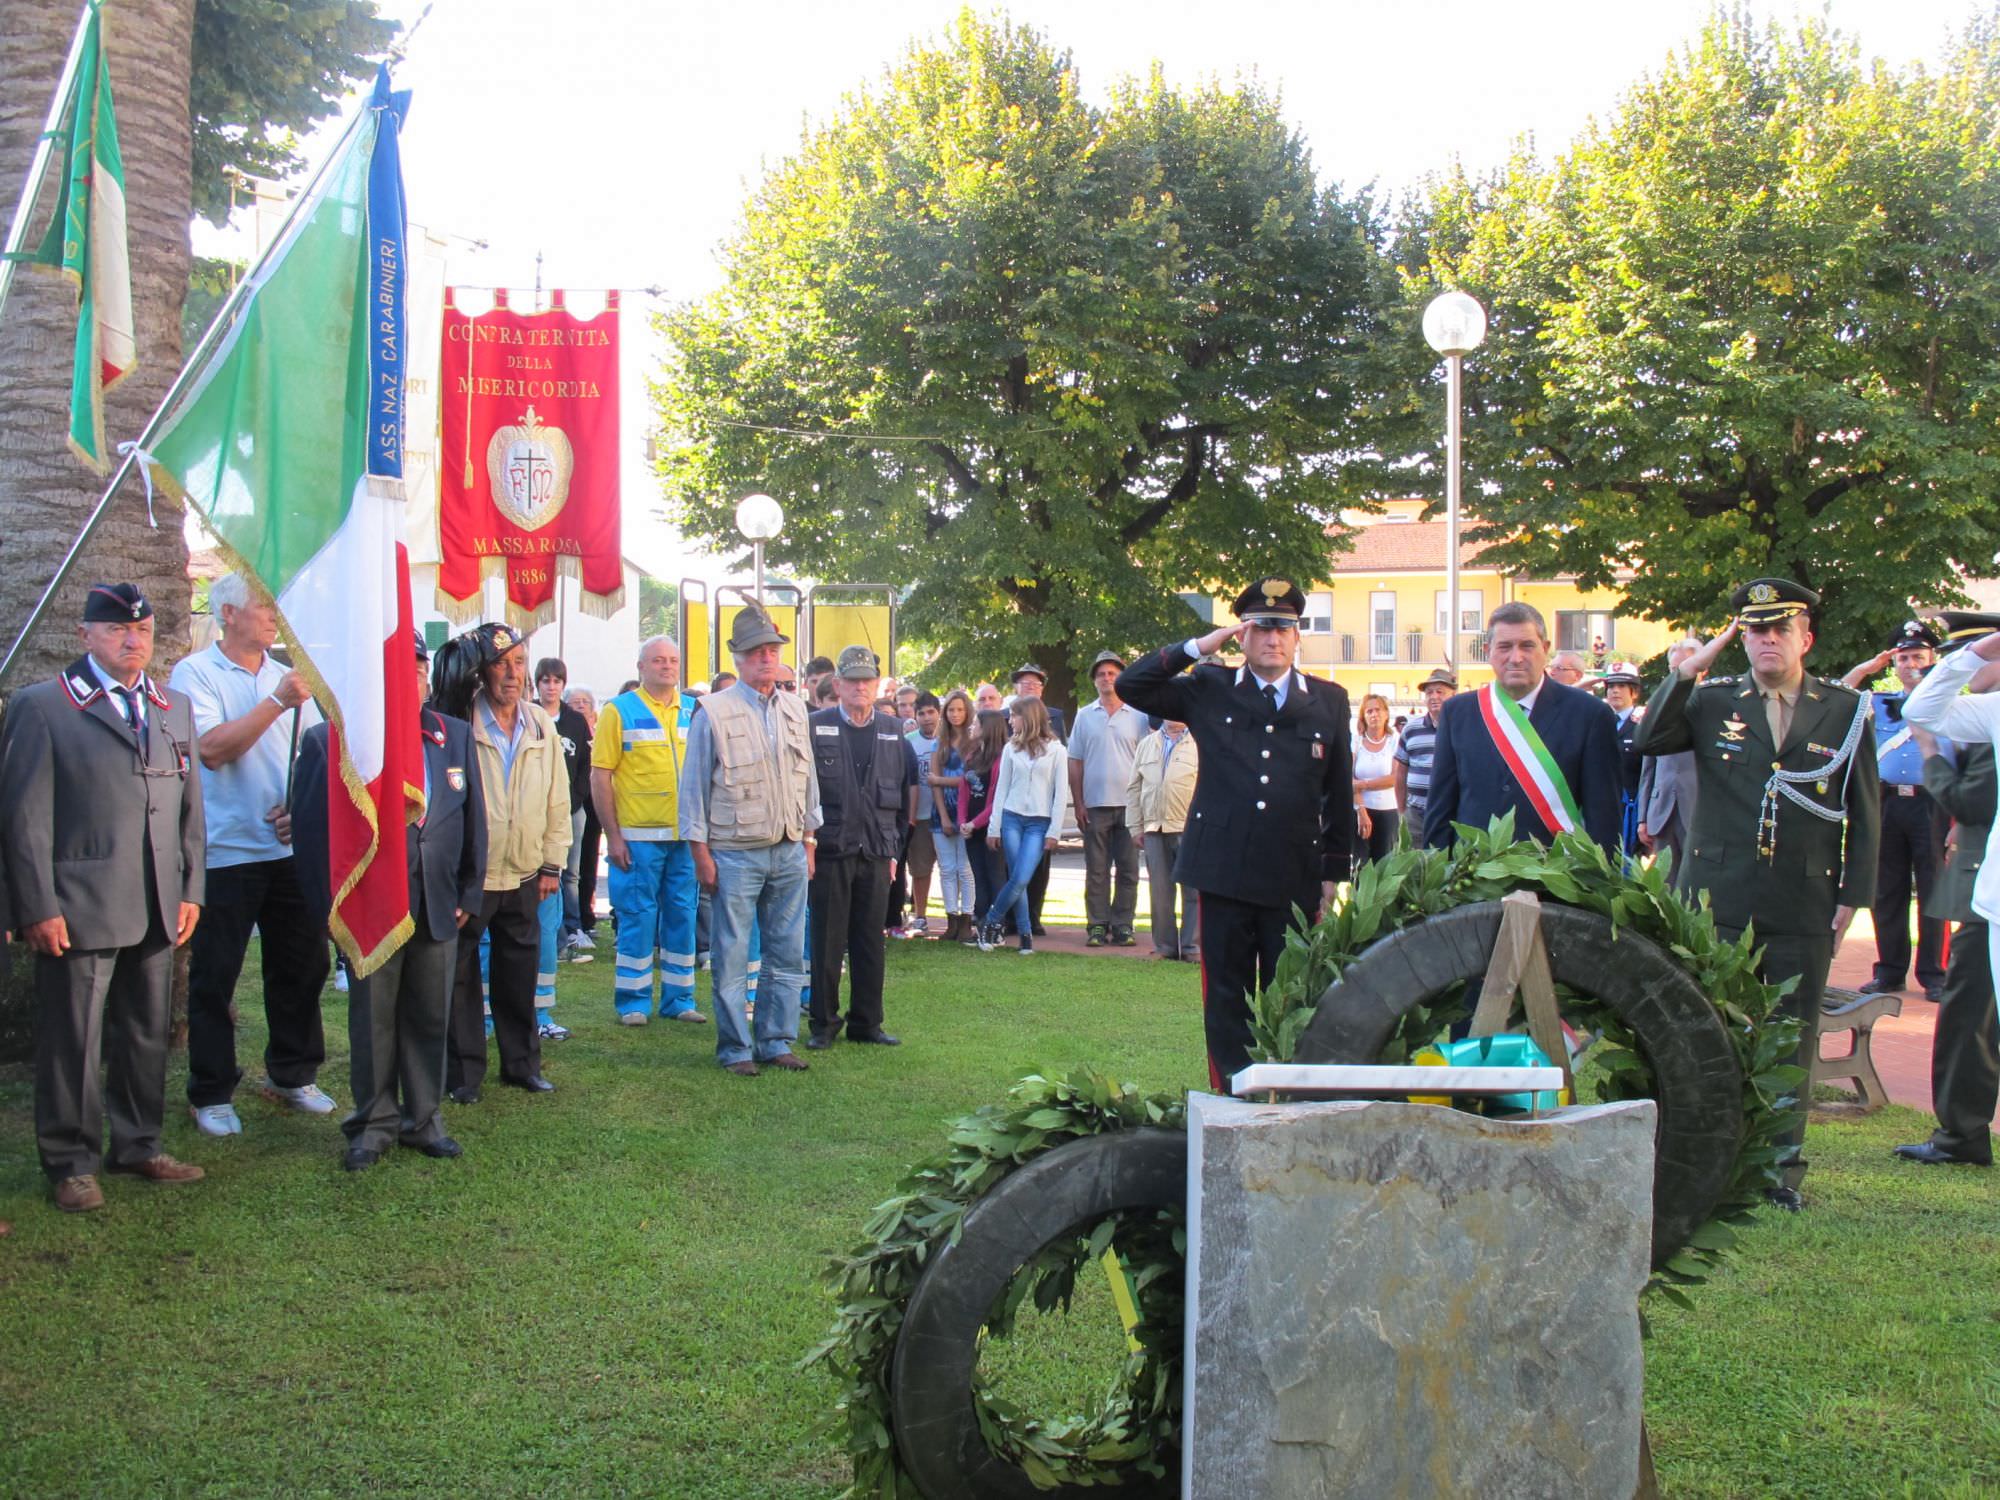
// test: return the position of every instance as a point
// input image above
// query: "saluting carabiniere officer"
(103, 841)
(1271, 824)
(1788, 812)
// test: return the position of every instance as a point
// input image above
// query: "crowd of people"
(778, 829)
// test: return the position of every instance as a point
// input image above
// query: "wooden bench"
(1856, 1014)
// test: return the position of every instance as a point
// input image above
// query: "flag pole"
(190, 369)
(45, 149)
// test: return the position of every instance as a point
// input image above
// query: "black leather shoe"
(1879, 987)
(359, 1159)
(1786, 1198)
(818, 1043)
(467, 1095)
(876, 1039)
(1931, 1156)
(1934, 993)
(444, 1146)
(534, 1083)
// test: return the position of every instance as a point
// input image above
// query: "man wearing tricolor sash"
(635, 770)
(1525, 744)
(1788, 812)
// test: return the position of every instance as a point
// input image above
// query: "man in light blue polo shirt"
(248, 714)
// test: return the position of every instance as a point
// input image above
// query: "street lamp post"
(1454, 325)
(760, 519)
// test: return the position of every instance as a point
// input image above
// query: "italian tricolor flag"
(289, 443)
(1529, 761)
(86, 243)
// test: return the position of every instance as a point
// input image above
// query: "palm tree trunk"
(45, 493)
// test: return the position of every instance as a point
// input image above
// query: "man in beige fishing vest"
(749, 803)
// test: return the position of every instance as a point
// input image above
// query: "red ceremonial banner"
(528, 467)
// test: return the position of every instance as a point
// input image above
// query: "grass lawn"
(608, 1293)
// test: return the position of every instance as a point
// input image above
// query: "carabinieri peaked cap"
(1961, 627)
(1916, 635)
(1764, 601)
(115, 604)
(1271, 602)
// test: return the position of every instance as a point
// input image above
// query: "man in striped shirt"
(1413, 752)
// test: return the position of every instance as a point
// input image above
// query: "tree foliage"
(264, 69)
(1047, 362)
(1746, 327)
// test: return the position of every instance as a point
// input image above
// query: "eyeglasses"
(790, 687)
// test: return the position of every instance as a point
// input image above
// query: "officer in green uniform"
(1788, 809)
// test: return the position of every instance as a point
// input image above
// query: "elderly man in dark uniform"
(1788, 811)
(399, 1016)
(1912, 830)
(1271, 825)
(102, 838)
(867, 771)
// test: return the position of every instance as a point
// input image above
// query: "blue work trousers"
(655, 902)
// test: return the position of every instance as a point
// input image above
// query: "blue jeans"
(1021, 839)
(765, 888)
(572, 908)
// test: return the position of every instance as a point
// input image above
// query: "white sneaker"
(217, 1119)
(583, 940)
(633, 1018)
(340, 979)
(552, 1031)
(578, 956)
(692, 1017)
(307, 1100)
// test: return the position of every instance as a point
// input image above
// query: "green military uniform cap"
(1274, 603)
(858, 664)
(1764, 601)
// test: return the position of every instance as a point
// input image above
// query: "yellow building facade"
(1380, 624)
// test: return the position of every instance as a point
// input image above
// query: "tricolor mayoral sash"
(1529, 762)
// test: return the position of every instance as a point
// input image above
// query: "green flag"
(86, 243)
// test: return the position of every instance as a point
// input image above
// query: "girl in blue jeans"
(1030, 799)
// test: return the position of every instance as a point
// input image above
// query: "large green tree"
(1747, 326)
(1046, 363)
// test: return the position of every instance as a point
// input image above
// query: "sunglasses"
(790, 687)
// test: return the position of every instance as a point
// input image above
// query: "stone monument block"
(1392, 1299)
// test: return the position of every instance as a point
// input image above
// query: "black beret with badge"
(1274, 603)
(1961, 627)
(494, 641)
(1916, 635)
(115, 604)
(1765, 601)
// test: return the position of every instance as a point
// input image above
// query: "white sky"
(619, 137)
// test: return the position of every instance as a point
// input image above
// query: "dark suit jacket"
(1273, 808)
(1471, 784)
(447, 856)
(1965, 791)
(77, 817)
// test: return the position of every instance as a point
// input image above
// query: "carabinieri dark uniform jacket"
(1761, 857)
(1273, 808)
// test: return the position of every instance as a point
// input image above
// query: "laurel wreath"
(1485, 865)
(1139, 1418)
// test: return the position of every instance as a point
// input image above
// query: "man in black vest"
(1271, 825)
(867, 795)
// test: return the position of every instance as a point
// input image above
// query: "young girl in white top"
(1030, 798)
(1375, 815)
